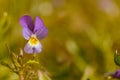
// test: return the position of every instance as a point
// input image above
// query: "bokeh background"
(83, 36)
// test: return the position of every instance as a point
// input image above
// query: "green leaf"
(117, 58)
(8, 66)
(32, 62)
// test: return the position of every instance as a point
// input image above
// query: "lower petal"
(28, 49)
(37, 48)
(33, 48)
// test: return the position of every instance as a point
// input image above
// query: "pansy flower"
(115, 74)
(33, 32)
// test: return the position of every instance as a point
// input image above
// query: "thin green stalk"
(21, 77)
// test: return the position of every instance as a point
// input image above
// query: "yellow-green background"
(83, 36)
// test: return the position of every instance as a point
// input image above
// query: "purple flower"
(116, 74)
(33, 32)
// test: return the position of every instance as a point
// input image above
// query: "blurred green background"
(83, 36)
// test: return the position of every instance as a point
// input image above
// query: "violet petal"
(26, 33)
(40, 30)
(28, 49)
(26, 21)
(33, 48)
(117, 74)
(38, 48)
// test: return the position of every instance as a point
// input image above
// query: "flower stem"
(21, 77)
(34, 55)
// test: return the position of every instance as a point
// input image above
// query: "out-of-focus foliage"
(83, 36)
(117, 59)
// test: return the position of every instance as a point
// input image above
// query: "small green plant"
(29, 68)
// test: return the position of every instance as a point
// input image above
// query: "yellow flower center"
(33, 40)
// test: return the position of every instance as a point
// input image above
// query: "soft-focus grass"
(83, 36)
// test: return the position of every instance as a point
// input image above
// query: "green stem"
(34, 55)
(21, 77)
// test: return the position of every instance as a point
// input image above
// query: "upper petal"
(26, 33)
(40, 30)
(26, 21)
